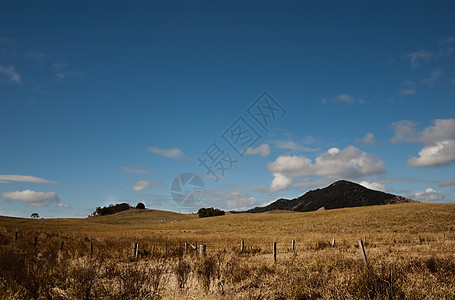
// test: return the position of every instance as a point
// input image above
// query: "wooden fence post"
(165, 250)
(135, 250)
(186, 248)
(61, 246)
(242, 246)
(362, 252)
(36, 241)
(333, 243)
(202, 250)
(91, 249)
(16, 236)
(274, 252)
(293, 245)
(443, 237)
(195, 248)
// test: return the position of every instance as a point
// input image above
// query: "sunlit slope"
(396, 219)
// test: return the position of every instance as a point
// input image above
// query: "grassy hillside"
(409, 249)
(384, 223)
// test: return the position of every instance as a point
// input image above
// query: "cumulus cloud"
(170, 153)
(143, 184)
(438, 140)
(230, 200)
(438, 154)
(428, 195)
(373, 186)
(350, 162)
(263, 150)
(280, 182)
(368, 139)
(33, 198)
(23, 178)
(11, 73)
(406, 131)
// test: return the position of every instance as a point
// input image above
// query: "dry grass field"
(410, 250)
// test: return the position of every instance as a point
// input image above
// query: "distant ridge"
(339, 194)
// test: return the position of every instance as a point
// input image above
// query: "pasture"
(410, 250)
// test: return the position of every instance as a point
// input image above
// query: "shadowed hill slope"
(339, 194)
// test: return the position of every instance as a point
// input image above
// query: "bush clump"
(209, 212)
(111, 209)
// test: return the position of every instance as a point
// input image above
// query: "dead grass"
(408, 255)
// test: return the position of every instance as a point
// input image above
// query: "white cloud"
(230, 200)
(428, 195)
(23, 178)
(350, 162)
(62, 205)
(263, 150)
(11, 73)
(442, 129)
(135, 170)
(343, 98)
(438, 154)
(33, 198)
(418, 57)
(170, 153)
(374, 186)
(280, 182)
(431, 80)
(143, 184)
(439, 149)
(368, 139)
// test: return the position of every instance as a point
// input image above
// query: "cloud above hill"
(438, 140)
(33, 198)
(350, 163)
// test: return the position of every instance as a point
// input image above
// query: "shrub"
(140, 205)
(209, 212)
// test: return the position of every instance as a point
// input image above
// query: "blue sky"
(107, 102)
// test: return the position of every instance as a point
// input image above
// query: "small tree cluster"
(209, 212)
(140, 205)
(111, 209)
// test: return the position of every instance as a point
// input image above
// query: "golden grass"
(409, 247)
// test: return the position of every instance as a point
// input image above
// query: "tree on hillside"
(34, 215)
(111, 209)
(209, 212)
(140, 205)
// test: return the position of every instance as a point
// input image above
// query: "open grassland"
(410, 250)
